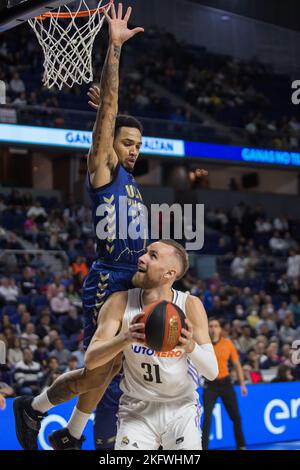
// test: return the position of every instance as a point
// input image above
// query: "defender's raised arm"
(102, 158)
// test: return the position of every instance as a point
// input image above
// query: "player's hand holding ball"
(136, 332)
(186, 342)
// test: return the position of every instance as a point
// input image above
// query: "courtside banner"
(81, 140)
(67, 138)
(241, 154)
(270, 413)
(163, 147)
(32, 135)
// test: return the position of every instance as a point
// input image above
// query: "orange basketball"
(163, 323)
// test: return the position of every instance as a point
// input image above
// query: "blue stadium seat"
(38, 300)
(71, 344)
(9, 310)
(24, 299)
(39, 309)
(61, 319)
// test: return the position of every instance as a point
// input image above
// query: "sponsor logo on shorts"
(125, 441)
(180, 440)
(150, 352)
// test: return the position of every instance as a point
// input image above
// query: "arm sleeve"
(205, 361)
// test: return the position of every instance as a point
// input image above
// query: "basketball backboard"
(16, 12)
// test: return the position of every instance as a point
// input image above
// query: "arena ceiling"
(285, 13)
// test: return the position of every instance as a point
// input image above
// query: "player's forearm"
(204, 359)
(101, 352)
(109, 96)
(109, 84)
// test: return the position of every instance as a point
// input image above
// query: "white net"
(67, 39)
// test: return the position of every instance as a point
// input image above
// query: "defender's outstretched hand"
(94, 94)
(119, 32)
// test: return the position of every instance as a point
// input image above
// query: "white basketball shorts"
(147, 425)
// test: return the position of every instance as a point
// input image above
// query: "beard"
(143, 282)
(129, 169)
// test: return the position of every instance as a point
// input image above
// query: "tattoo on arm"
(117, 52)
(109, 89)
(77, 382)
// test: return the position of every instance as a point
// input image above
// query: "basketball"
(163, 323)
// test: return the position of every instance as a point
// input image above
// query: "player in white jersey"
(159, 405)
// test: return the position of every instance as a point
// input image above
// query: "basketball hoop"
(67, 39)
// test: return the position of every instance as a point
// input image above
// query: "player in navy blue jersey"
(113, 191)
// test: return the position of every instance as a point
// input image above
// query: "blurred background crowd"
(177, 82)
(255, 291)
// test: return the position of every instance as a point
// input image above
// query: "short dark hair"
(127, 121)
(52, 358)
(73, 358)
(211, 319)
(182, 256)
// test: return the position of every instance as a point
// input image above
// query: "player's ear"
(171, 273)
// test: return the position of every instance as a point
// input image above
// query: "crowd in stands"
(282, 133)
(41, 311)
(244, 95)
(22, 74)
(248, 96)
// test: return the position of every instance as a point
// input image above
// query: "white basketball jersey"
(156, 376)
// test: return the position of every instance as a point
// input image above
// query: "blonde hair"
(182, 256)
